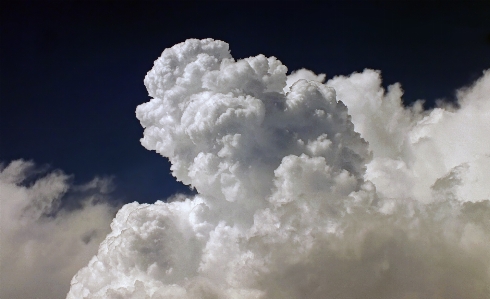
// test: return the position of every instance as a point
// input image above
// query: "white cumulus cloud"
(305, 189)
(49, 228)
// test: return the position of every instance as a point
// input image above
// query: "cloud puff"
(49, 229)
(419, 147)
(306, 189)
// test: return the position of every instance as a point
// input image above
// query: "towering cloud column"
(305, 189)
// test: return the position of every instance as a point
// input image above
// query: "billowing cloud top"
(226, 126)
(306, 189)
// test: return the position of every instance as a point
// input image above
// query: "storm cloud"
(306, 188)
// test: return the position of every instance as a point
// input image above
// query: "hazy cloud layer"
(306, 189)
(49, 229)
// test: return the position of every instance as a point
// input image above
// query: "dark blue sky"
(72, 72)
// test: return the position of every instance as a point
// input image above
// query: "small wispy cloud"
(50, 228)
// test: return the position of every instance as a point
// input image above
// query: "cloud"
(419, 147)
(305, 189)
(49, 229)
(302, 74)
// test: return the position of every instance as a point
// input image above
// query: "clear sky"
(72, 72)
